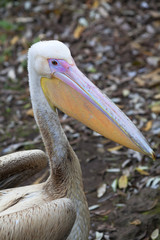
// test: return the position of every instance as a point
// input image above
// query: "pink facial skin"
(58, 65)
(73, 77)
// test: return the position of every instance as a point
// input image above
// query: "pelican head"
(68, 89)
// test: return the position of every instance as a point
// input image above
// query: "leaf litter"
(117, 46)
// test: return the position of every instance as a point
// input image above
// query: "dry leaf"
(123, 182)
(155, 109)
(12, 75)
(155, 234)
(139, 81)
(125, 92)
(95, 4)
(153, 61)
(30, 113)
(154, 14)
(142, 172)
(157, 96)
(147, 126)
(99, 235)
(135, 222)
(148, 53)
(101, 190)
(135, 45)
(153, 182)
(114, 185)
(93, 207)
(14, 40)
(151, 79)
(113, 170)
(116, 148)
(156, 24)
(78, 31)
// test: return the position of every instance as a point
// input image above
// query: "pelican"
(57, 209)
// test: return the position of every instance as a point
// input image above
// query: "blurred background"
(117, 45)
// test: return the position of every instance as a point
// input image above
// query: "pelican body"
(57, 209)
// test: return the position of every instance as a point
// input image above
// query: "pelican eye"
(54, 62)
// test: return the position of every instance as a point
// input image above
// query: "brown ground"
(117, 45)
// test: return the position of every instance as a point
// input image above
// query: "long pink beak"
(73, 93)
